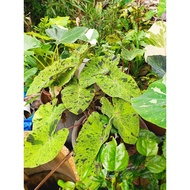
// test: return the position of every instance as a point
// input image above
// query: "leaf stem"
(39, 61)
(54, 169)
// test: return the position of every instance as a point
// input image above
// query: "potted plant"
(105, 93)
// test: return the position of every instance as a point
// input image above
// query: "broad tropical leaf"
(88, 143)
(95, 67)
(129, 55)
(42, 144)
(158, 63)
(124, 118)
(118, 84)
(31, 42)
(151, 105)
(60, 72)
(76, 98)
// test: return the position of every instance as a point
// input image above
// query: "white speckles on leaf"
(157, 90)
(154, 101)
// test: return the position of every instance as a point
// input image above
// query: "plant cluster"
(89, 72)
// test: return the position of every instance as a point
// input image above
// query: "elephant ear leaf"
(76, 98)
(91, 137)
(43, 143)
(118, 84)
(59, 71)
(124, 118)
(151, 105)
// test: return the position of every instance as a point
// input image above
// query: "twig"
(54, 169)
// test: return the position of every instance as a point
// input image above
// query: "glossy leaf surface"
(156, 164)
(113, 157)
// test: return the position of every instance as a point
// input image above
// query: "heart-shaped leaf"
(31, 42)
(76, 98)
(61, 71)
(123, 117)
(97, 66)
(118, 84)
(63, 35)
(42, 144)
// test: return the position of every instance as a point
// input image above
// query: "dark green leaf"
(158, 63)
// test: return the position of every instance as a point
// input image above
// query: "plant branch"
(54, 169)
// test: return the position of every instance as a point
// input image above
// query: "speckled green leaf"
(42, 144)
(48, 75)
(88, 144)
(97, 66)
(58, 71)
(156, 164)
(76, 98)
(124, 118)
(151, 105)
(118, 84)
(113, 157)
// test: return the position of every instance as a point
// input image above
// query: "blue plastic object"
(28, 121)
